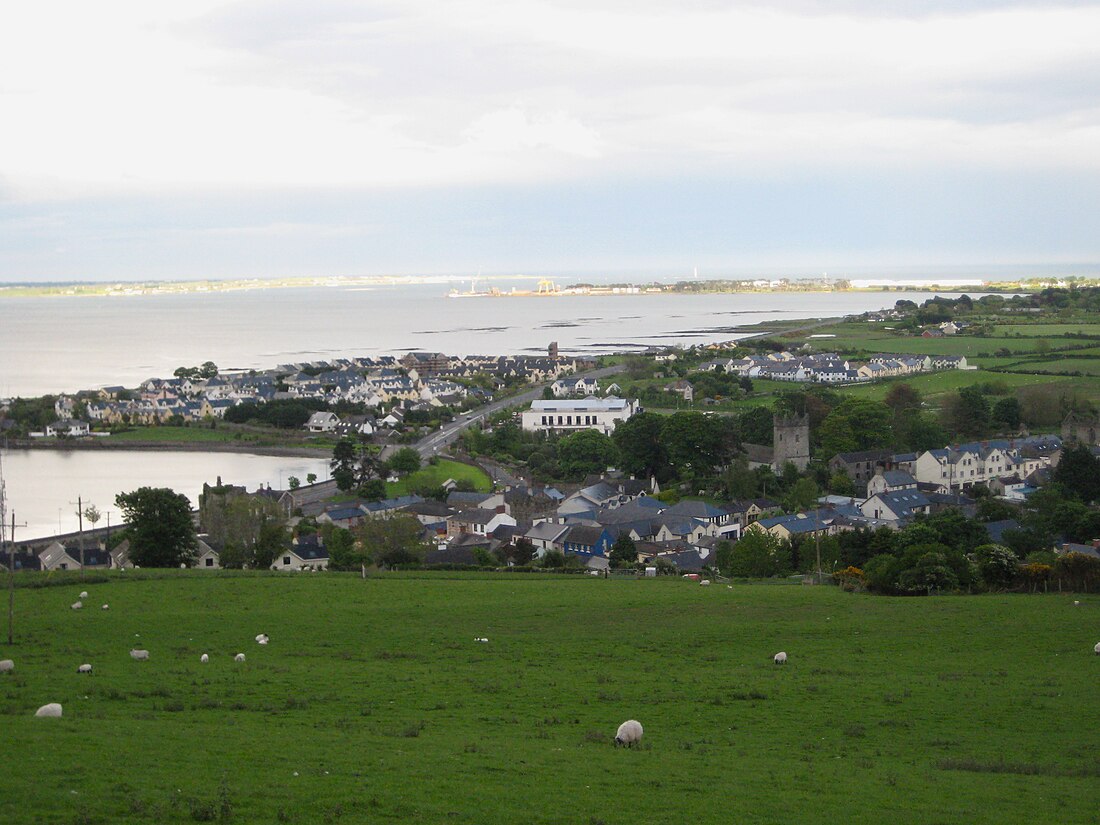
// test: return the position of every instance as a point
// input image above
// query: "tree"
(967, 412)
(755, 425)
(586, 451)
(757, 554)
(998, 566)
(1079, 472)
(311, 478)
(802, 494)
(641, 452)
(293, 483)
(901, 398)
(405, 461)
(392, 541)
(159, 526)
(343, 464)
(208, 369)
(1007, 413)
(623, 551)
(373, 489)
(855, 424)
(694, 442)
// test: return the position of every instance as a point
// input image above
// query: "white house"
(601, 414)
(68, 427)
(207, 558)
(322, 422)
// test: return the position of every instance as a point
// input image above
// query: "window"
(286, 559)
(209, 562)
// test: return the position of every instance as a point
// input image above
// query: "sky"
(209, 139)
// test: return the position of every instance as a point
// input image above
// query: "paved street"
(438, 441)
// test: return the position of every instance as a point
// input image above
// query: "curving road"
(439, 440)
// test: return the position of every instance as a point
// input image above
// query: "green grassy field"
(435, 474)
(373, 703)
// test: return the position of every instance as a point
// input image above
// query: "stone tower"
(792, 441)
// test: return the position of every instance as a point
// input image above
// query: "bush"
(850, 579)
(998, 566)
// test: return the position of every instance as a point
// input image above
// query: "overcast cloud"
(360, 137)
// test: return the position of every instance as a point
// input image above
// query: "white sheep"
(263, 641)
(781, 658)
(480, 639)
(52, 709)
(1097, 649)
(1076, 602)
(629, 733)
(83, 594)
(140, 655)
(105, 607)
(260, 636)
(84, 669)
(239, 657)
(204, 658)
(705, 583)
(76, 605)
(6, 665)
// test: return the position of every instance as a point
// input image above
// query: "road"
(438, 441)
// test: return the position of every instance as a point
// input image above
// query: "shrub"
(997, 566)
(851, 579)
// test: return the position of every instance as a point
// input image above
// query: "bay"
(43, 485)
(65, 344)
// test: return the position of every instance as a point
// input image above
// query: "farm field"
(374, 703)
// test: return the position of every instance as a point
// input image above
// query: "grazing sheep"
(781, 658)
(263, 641)
(105, 607)
(1076, 602)
(84, 669)
(1097, 649)
(705, 583)
(52, 709)
(260, 636)
(83, 594)
(7, 665)
(76, 605)
(629, 733)
(140, 655)
(204, 658)
(239, 657)
(480, 639)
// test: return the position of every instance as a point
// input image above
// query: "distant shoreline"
(576, 288)
(100, 444)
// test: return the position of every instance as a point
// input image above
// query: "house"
(305, 553)
(582, 540)
(207, 557)
(601, 414)
(887, 481)
(478, 522)
(682, 388)
(68, 428)
(797, 524)
(322, 422)
(57, 557)
(545, 535)
(896, 506)
(859, 466)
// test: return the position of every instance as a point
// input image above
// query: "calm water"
(51, 345)
(43, 485)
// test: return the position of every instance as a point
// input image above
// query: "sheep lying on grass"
(1096, 649)
(781, 658)
(239, 657)
(105, 607)
(261, 638)
(52, 709)
(84, 669)
(140, 655)
(76, 605)
(705, 583)
(629, 733)
(7, 665)
(204, 658)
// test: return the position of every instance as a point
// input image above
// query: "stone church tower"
(791, 441)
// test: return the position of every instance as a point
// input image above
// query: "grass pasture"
(373, 703)
(435, 474)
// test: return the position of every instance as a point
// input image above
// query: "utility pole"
(11, 551)
(80, 517)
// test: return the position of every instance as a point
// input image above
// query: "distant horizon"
(902, 273)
